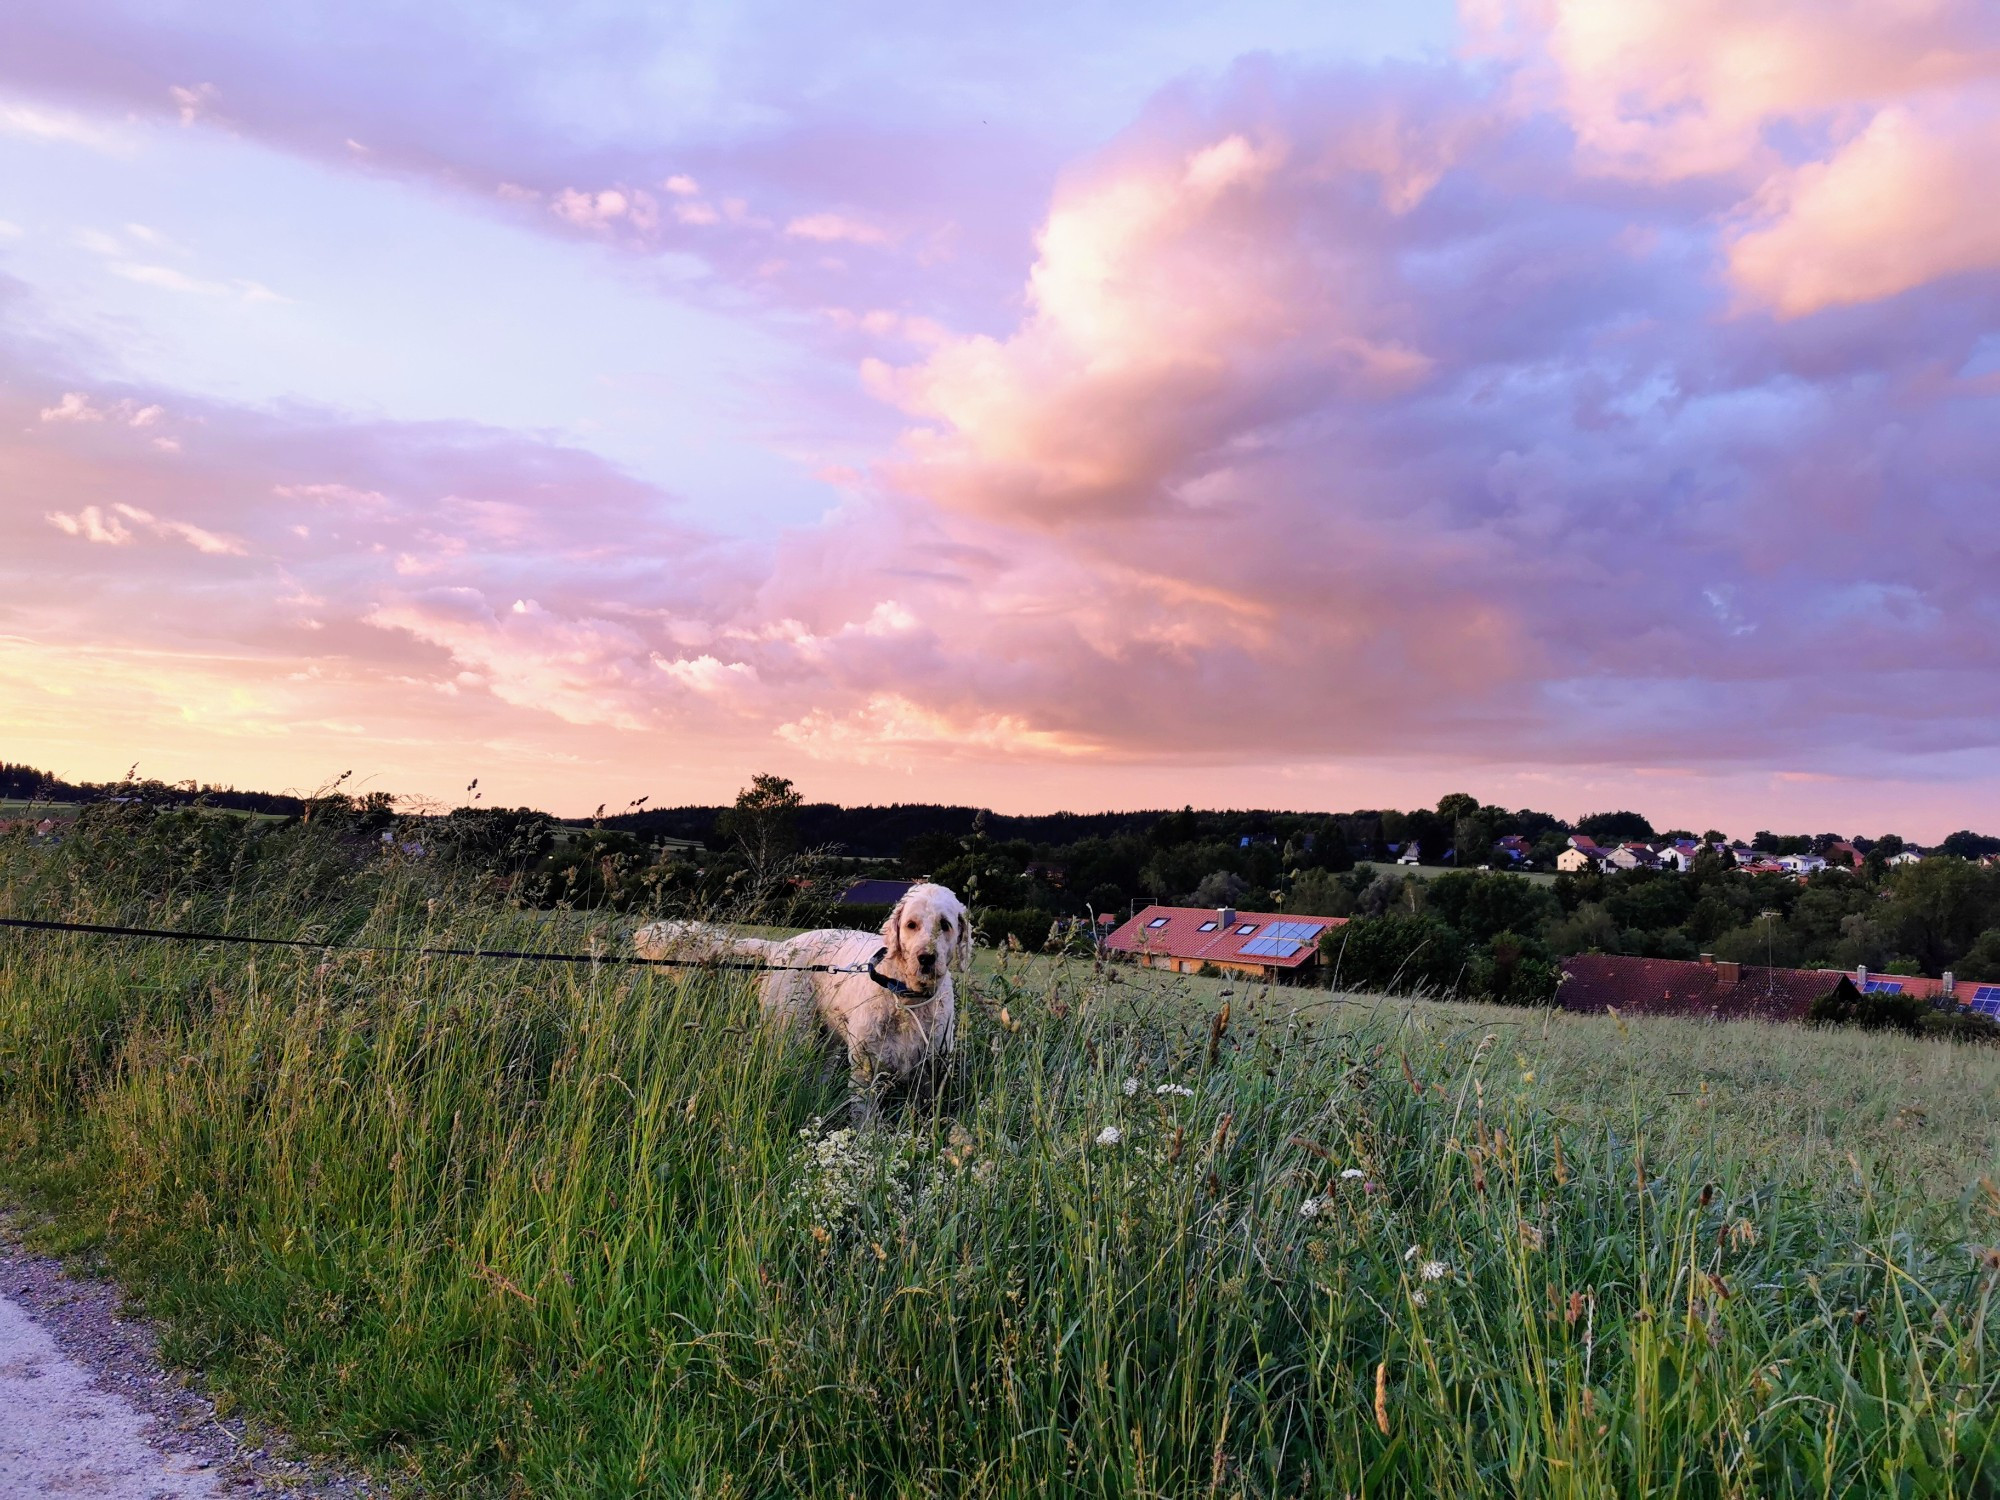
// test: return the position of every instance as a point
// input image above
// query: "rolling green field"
(500, 1229)
(16, 807)
(1431, 872)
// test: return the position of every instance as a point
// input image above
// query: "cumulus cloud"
(1907, 201)
(1856, 137)
(76, 406)
(1680, 88)
(1194, 290)
(585, 671)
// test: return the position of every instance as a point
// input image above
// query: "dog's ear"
(961, 951)
(892, 932)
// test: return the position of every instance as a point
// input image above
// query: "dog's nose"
(927, 961)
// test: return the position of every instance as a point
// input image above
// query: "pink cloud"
(1906, 201)
(834, 227)
(1675, 88)
(1183, 294)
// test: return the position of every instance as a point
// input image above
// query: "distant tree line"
(20, 783)
(1044, 881)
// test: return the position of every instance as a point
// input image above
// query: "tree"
(1969, 845)
(1940, 906)
(1481, 906)
(1220, 888)
(1875, 857)
(1981, 962)
(1615, 827)
(1318, 893)
(1589, 929)
(1457, 805)
(763, 824)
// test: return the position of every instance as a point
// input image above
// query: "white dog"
(887, 997)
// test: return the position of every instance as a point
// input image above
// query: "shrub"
(1878, 1010)
(1960, 1026)
(1395, 954)
(1026, 925)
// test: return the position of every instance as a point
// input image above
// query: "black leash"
(894, 986)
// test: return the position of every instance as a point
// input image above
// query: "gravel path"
(86, 1410)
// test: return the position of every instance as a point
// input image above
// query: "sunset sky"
(1291, 403)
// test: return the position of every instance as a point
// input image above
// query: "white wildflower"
(1309, 1209)
(1412, 1253)
(1420, 1299)
(1179, 1091)
(1110, 1135)
(1434, 1270)
(1353, 1172)
(1131, 1087)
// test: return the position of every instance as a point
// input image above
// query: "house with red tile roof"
(1706, 987)
(1254, 944)
(1727, 991)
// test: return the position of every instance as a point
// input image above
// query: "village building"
(1631, 857)
(1254, 944)
(1722, 990)
(1706, 987)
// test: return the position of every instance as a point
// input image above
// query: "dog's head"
(927, 935)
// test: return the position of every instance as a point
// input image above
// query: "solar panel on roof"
(1298, 932)
(1271, 947)
(1986, 1000)
(1885, 987)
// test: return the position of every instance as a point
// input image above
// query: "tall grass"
(591, 1232)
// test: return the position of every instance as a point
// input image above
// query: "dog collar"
(894, 986)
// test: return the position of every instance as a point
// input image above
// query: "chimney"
(1950, 984)
(1726, 975)
(1225, 916)
(1708, 960)
(1861, 977)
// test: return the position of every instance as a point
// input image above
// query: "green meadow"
(506, 1229)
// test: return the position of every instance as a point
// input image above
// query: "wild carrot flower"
(1110, 1135)
(1179, 1090)
(1131, 1087)
(1349, 1173)
(1309, 1209)
(1434, 1270)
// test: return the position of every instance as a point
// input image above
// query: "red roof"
(1677, 987)
(1197, 932)
(1922, 986)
